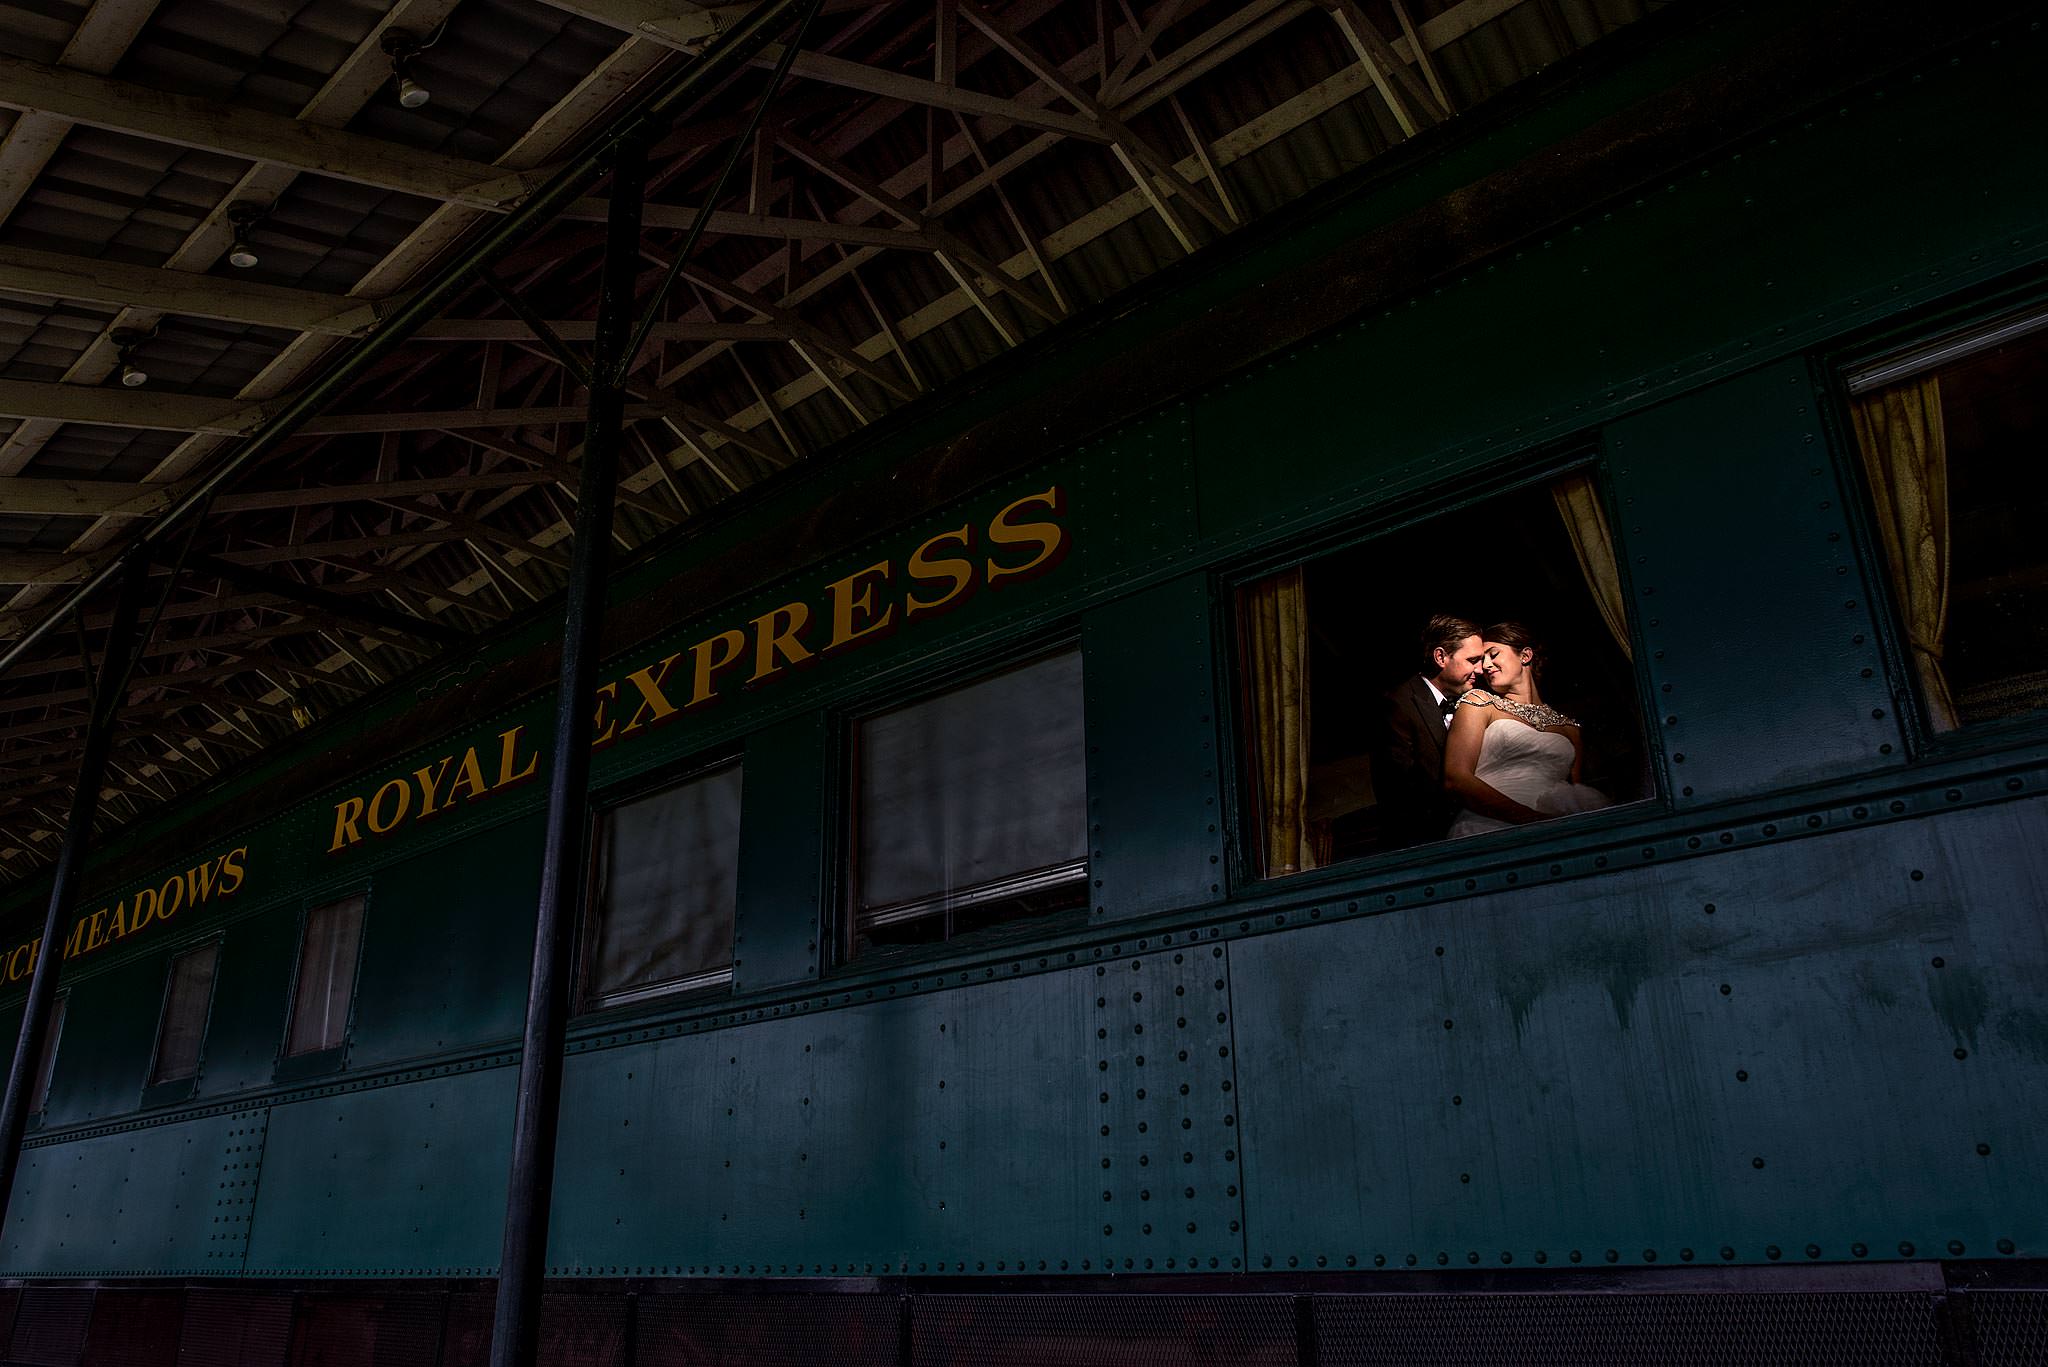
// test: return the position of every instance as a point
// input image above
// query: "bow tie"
(1450, 705)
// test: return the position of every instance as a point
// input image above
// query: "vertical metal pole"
(515, 1332)
(85, 803)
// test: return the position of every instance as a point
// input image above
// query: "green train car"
(1021, 931)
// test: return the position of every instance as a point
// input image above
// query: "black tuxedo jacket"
(1410, 778)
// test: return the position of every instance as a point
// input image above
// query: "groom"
(1409, 770)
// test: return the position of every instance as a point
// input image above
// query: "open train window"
(667, 880)
(1354, 663)
(970, 807)
(1950, 436)
(181, 1034)
(46, 1066)
(326, 984)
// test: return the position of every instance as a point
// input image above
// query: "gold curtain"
(1275, 622)
(1578, 503)
(1905, 455)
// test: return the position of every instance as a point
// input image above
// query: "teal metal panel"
(1762, 656)
(163, 1200)
(1169, 1154)
(1771, 1051)
(776, 925)
(1781, 243)
(103, 1057)
(252, 986)
(447, 945)
(956, 1128)
(389, 1181)
(1134, 497)
(1154, 795)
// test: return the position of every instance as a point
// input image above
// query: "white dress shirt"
(1438, 694)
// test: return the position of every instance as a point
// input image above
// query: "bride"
(1510, 759)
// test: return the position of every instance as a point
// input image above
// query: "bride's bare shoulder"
(1478, 697)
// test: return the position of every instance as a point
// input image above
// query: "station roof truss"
(206, 203)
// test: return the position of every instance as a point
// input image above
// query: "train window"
(327, 977)
(1353, 664)
(46, 1066)
(667, 873)
(970, 807)
(187, 995)
(1949, 438)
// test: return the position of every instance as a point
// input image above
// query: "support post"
(107, 696)
(515, 1330)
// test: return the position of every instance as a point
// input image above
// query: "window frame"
(316, 1062)
(1928, 340)
(637, 789)
(1581, 453)
(962, 671)
(155, 1091)
(53, 1043)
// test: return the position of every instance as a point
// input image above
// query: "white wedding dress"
(1534, 768)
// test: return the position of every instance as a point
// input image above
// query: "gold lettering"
(143, 914)
(117, 928)
(1049, 537)
(167, 902)
(707, 660)
(75, 945)
(430, 784)
(853, 600)
(601, 727)
(922, 566)
(654, 704)
(508, 747)
(347, 813)
(469, 775)
(15, 971)
(378, 824)
(772, 640)
(199, 880)
(96, 935)
(231, 863)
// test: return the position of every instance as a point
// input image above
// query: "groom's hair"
(1445, 634)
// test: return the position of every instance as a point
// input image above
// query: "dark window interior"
(971, 807)
(184, 1024)
(1994, 408)
(327, 977)
(667, 878)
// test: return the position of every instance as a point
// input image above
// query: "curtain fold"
(1275, 622)
(1905, 456)
(1585, 521)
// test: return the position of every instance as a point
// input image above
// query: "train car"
(1053, 899)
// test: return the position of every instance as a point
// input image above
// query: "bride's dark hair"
(1520, 638)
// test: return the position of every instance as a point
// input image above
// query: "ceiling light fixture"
(244, 216)
(402, 47)
(125, 341)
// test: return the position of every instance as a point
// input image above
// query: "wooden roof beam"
(254, 135)
(24, 270)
